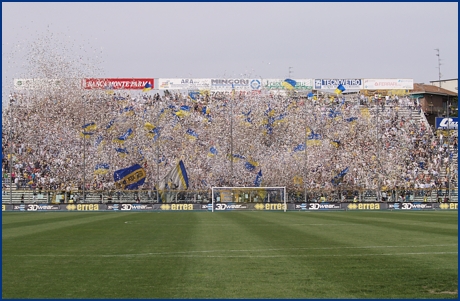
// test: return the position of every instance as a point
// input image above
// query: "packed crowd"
(319, 142)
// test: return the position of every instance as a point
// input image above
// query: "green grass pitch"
(230, 255)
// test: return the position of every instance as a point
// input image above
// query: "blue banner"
(447, 123)
(129, 178)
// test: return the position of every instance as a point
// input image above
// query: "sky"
(234, 40)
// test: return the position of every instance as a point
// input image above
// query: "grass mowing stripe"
(232, 251)
(55, 225)
(355, 238)
(28, 220)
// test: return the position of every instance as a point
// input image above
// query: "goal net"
(249, 198)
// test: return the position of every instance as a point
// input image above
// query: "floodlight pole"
(378, 154)
(158, 156)
(231, 135)
(306, 154)
(448, 145)
(84, 147)
(11, 148)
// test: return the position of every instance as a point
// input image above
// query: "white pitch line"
(299, 255)
(188, 253)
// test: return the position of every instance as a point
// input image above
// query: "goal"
(248, 198)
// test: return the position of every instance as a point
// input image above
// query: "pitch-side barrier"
(221, 207)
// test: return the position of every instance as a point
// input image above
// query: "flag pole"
(158, 156)
(84, 146)
(306, 153)
(231, 133)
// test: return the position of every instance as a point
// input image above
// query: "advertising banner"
(184, 83)
(447, 206)
(239, 84)
(129, 207)
(84, 207)
(446, 123)
(277, 84)
(410, 206)
(388, 84)
(116, 83)
(41, 83)
(332, 84)
(318, 206)
(364, 206)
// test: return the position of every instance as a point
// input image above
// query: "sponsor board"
(40, 83)
(277, 84)
(318, 206)
(238, 84)
(84, 207)
(269, 206)
(237, 93)
(332, 84)
(177, 207)
(184, 83)
(365, 206)
(410, 206)
(388, 84)
(116, 83)
(446, 123)
(207, 207)
(448, 206)
(230, 206)
(42, 207)
(129, 207)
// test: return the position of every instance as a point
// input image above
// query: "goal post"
(227, 198)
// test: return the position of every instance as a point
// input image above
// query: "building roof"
(444, 80)
(430, 89)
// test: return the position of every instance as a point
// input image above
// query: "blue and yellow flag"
(147, 87)
(110, 124)
(351, 119)
(148, 126)
(175, 179)
(236, 157)
(314, 139)
(212, 152)
(289, 84)
(183, 111)
(121, 139)
(88, 130)
(154, 133)
(299, 148)
(340, 89)
(251, 165)
(89, 127)
(335, 143)
(247, 121)
(258, 180)
(193, 95)
(122, 152)
(101, 169)
(98, 141)
(191, 134)
(128, 110)
(333, 114)
(129, 178)
(310, 95)
(338, 178)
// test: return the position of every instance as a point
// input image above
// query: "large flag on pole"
(129, 178)
(258, 180)
(175, 179)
